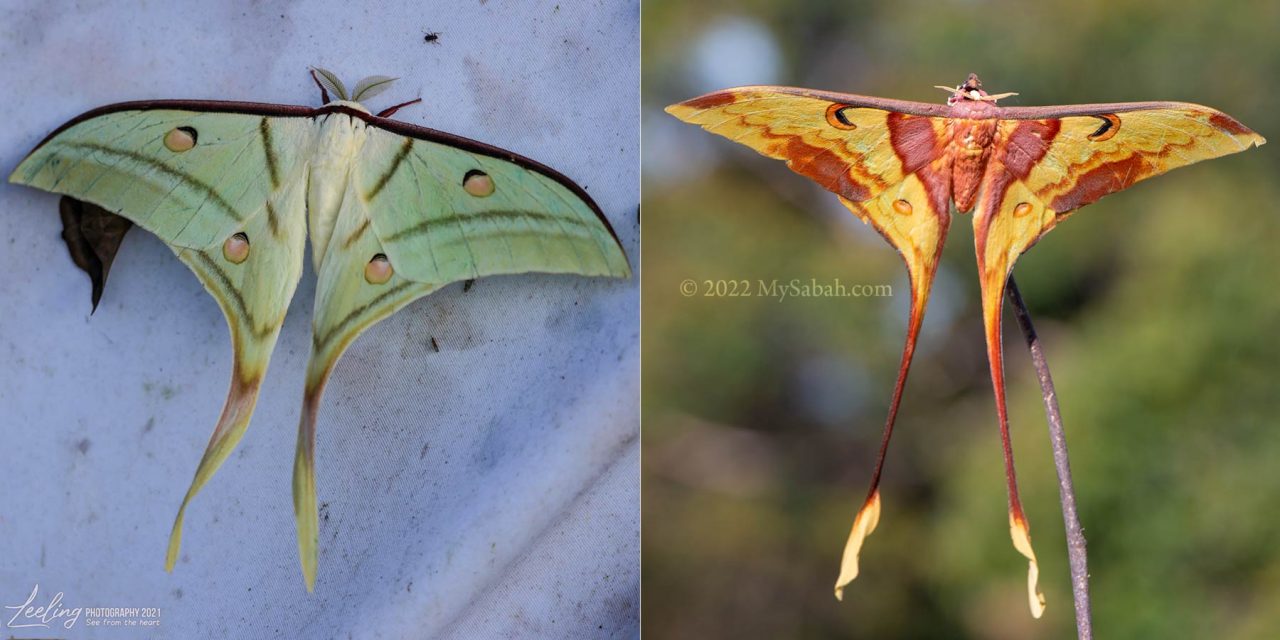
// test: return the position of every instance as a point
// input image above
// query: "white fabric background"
(489, 490)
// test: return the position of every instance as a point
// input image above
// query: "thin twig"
(1076, 553)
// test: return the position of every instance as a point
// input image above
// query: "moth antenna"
(947, 89)
(370, 87)
(998, 96)
(329, 80)
(386, 113)
(324, 95)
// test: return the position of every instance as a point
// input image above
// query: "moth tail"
(993, 290)
(305, 509)
(237, 411)
(869, 513)
(251, 352)
(324, 356)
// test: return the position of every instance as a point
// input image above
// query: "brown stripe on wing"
(712, 100)
(391, 171)
(914, 140)
(823, 166)
(320, 342)
(1104, 179)
(273, 171)
(1228, 124)
(199, 185)
(1026, 145)
(355, 234)
(216, 274)
(509, 216)
(922, 152)
(273, 219)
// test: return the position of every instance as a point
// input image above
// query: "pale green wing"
(117, 157)
(346, 304)
(434, 230)
(226, 192)
(407, 201)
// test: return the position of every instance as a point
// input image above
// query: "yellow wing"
(886, 161)
(1044, 169)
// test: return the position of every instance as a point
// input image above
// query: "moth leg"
(389, 111)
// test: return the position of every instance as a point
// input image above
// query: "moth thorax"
(349, 104)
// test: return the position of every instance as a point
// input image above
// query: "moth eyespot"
(837, 117)
(478, 183)
(379, 270)
(180, 139)
(1022, 209)
(902, 207)
(1110, 126)
(236, 248)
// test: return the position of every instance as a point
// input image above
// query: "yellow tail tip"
(1021, 534)
(175, 542)
(865, 522)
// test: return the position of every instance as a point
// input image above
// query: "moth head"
(971, 89)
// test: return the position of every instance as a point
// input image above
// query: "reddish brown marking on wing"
(1027, 144)
(1015, 158)
(916, 144)
(1228, 124)
(1100, 181)
(712, 100)
(997, 183)
(824, 167)
(913, 140)
(937, 183)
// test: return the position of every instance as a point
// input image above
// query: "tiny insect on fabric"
(899, 166)
(393, 211)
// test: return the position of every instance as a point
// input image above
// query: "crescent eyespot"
(1110, 125)
(837, 118)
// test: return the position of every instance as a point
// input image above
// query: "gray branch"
(1076, 552)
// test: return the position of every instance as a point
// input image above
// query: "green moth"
(394, 212)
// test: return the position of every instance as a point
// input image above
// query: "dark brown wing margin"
(886, 104)
(386, 124)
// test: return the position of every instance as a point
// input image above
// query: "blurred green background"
(1157, 306)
